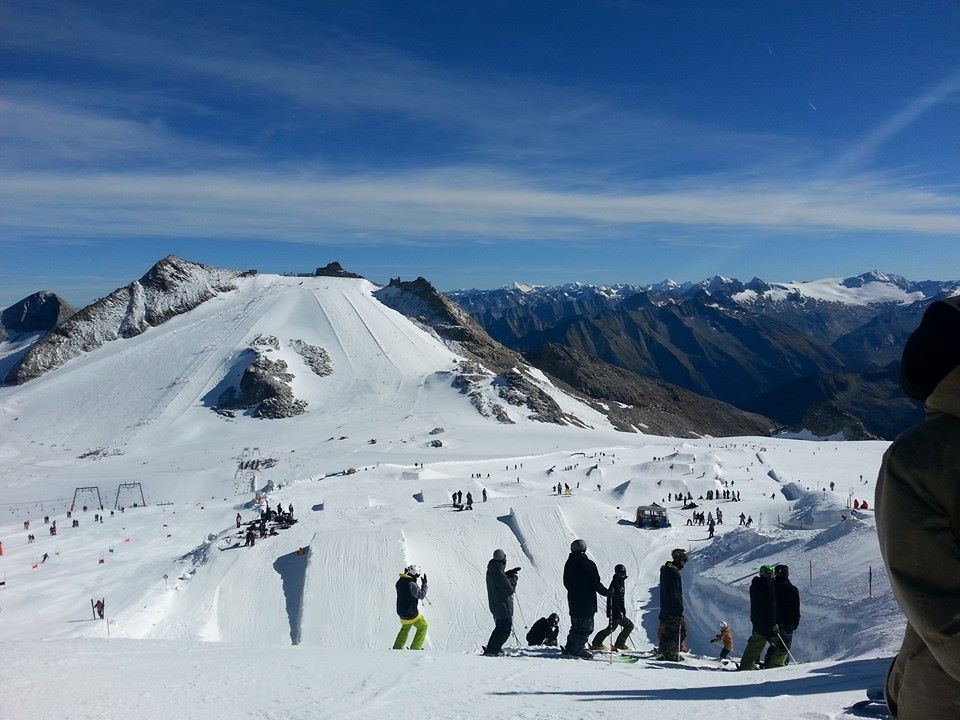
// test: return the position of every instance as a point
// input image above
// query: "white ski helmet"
(413, 570)
(723, 624)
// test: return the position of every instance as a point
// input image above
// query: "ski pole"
(787, 648)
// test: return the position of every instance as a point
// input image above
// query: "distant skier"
(239, 520)
(788, 610)
(409, 593)
(544, 631)
(616, 613)
(725, 636)
(582, 581)
(484, 494)
(250, 539)
(469, 501)
(501, 585)
(711, 526)
(763, 616)
(100, 607)
(671, 606)
(743, 519)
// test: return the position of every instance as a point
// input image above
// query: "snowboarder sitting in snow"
(501, 585)
(544, 631)
(725, 636)
(409, 593)
(616, 612)
(763, 616)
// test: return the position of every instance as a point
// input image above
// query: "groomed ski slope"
(208, 630)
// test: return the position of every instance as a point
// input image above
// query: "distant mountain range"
(717, 357)
(775, 348)
(253, 373)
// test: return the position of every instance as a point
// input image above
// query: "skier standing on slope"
(725, 636)
(409, 593)
(918, 517)
(763, 616)
(616, 612)
(582, 581)
(671, 606)
(788, 610)
(501, 585)
(544, 631)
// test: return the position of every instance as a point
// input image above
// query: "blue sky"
(478, 143)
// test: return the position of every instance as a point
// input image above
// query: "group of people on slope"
(774, 610)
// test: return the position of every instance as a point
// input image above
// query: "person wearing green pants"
(763, 615)
(409, 594)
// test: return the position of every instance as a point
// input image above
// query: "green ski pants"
(420, 623)
(755, 645)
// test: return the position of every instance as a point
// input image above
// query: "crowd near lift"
(652, 516)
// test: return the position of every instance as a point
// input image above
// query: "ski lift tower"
(90, 490)
(131, 486)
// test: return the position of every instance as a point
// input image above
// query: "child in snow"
(725, 636)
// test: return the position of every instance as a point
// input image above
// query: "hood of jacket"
(946, 397)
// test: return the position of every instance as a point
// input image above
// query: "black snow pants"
(499, 635)
(580, 629)
(674, 632)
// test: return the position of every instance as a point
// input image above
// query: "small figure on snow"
(616, 612)
(544, 631)
(501, 585)
(239, 520)
(763, 616)
(671, 606)
(725, 636)
(582, 581)
(409, 594)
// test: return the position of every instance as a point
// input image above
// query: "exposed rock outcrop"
(492, 363)
(171, 287)
(334, 269)
(316, 358)
(37, 313)
(264, 388)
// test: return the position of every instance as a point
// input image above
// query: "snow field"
(218, 631)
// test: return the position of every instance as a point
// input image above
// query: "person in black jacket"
(788, 610)
(544, 631)
(409, 593)
(501, 584)
(616, 612)
(763, 616)
(673, 624)
(582, 581)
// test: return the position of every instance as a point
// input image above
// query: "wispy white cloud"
(865, 148)
(456, 203)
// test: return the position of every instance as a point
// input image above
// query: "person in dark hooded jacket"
(544, 631)
(582, 581)
(672, 623)
(763, 616)
(788, 610)
(918, 523)
(616, 612)
(501, 585)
